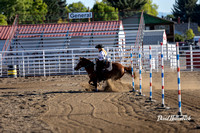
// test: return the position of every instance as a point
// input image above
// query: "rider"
(100, 61)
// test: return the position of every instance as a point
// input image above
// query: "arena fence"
(63, 61)
(56, 62)
(190, 58)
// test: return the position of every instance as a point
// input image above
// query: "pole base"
(180, 113)
(134, 91)
(150, 100)
(140, 94)
(198, 126)
(163, 107)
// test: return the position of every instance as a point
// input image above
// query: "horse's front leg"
(95, 85)
(90, 81)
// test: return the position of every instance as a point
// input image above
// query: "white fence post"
(28, 65)
(120, 54)
(73, 62)
(1, 64)
(39, 67)
(157, 59)
(66, 66)
(167, 51)
(114, 54)
(34, 67)
(59, 64)
(44, 63)
(49, 67)
(23, 64)
(191, 58)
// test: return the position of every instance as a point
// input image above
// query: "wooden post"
(88, 11)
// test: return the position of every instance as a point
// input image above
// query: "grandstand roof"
(54, 30)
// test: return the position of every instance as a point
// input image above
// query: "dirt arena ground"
(66, 104)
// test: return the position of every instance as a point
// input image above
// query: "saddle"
(103, 65)
(108, 65)
(101, 69)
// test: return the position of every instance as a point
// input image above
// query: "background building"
(153, 23)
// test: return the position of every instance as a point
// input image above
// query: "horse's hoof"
(92, 84)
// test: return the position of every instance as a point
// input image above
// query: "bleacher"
(55, 48)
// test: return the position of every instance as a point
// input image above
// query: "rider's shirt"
(102, 55)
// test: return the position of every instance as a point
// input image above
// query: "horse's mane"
(87, 60)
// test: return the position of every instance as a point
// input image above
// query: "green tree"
(196, 14)
(150, 8)
(37, 12)
(3, 20)
(184, 9)
(12, 7)
(126, 7)
(179, 38)
(63, 12)
(170, 17)
(198, 29)
(53, 10)
(189, 34)
(67, 9)
(103, 12)
(25, 9)
(77, 7)
(128, 4)
(56, 10)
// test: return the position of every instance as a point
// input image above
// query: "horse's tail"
(129, 71)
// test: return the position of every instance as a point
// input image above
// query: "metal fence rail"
(52, 62)
(63, 61)
(191, 57)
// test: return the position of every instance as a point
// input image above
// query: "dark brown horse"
(116, 73)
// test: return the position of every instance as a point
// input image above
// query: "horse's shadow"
(7, 88)
(61, 92)
(46, 93)
(81, 91)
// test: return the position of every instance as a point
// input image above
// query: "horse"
(116, 73)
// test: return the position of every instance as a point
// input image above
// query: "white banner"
(80, 15)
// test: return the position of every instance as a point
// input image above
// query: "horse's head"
(83, 62)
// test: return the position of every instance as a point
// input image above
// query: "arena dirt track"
(68, 104)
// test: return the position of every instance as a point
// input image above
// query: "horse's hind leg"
(96, 89)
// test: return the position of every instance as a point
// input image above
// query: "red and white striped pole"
(140, 72)
(150, 66)
(178, 77)
(132, 72)
(162, 75)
